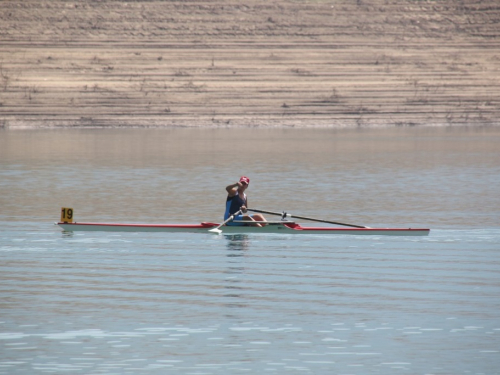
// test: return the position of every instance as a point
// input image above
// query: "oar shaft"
(217, 229)
(305, 218)
(329, 222)
(266, 212)
(230, 218)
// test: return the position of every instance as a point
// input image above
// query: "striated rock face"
(249, 63)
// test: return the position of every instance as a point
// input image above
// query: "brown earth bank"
(249, 63)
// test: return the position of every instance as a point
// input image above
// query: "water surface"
(128, 303)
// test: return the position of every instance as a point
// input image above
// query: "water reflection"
(67, 234)
(236, 244)
(132, 175)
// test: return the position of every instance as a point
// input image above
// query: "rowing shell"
(271, 227)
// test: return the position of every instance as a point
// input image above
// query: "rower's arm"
(232, 189)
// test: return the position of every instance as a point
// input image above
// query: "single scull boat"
(270, 227)
(284, 226)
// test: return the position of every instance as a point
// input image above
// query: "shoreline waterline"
(276, 126)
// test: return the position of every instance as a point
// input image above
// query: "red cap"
(244, 180)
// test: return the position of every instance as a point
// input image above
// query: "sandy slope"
(249, 63)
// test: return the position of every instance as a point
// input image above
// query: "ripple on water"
(184, 306)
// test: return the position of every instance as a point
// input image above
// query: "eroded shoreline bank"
(226, 64)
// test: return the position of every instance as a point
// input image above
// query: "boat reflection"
(67, 233)
(236, 244)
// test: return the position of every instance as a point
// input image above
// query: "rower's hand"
(244, 209)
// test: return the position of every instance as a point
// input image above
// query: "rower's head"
(244, 181)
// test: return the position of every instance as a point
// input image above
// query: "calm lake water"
(129, 303)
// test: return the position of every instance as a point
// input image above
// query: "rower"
(237, 200)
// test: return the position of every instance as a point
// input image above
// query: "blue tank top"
(233, 204)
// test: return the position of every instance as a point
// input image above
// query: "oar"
(284, 214)
(217, 230)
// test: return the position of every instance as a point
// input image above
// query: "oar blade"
(215, 230)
